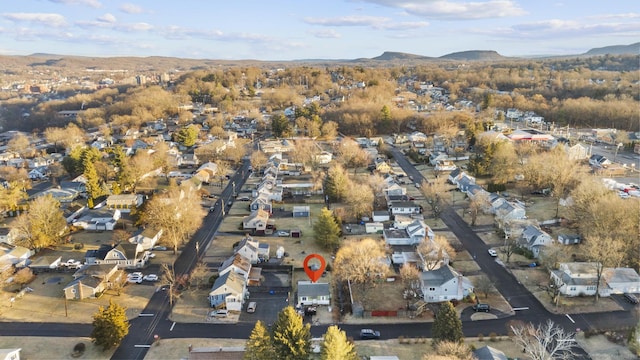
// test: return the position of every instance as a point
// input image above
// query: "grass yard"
(53, 347)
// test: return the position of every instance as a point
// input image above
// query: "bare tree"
(361, 262)
(545, 341)
(258, 160)
(169, 278)
(352, 155)
(484, 285)
(435, 253)
(42, 226)
(199, 274)
(20, 144)
(603, 252)
(433, 192)
(479, 203)
(359, 197)
(409, 275)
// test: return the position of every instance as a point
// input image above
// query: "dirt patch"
(52, 347)
(600, 348)
(179, 348)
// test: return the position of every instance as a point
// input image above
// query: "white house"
(238, 264)
(622, 280)
(535, 239)
(228, 292)
(413, 234)
(578, 278)
(373, 227)
(147, 237)
(124, 254)
(249, 249)
(444, 284)
(10, 354)
(313, 293)
(404, 207)
(98, 220)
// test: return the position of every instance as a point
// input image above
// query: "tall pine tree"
(447, 325)
(326, 230)
(259, 346)
(291, 337)
(110, 326)
(336, 346)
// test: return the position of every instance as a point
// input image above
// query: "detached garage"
(301, 211)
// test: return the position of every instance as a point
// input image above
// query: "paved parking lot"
(271, 297)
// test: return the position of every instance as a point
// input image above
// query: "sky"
(313, 29)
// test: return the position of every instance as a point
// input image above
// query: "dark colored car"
(369, 334)
(631, 298)
(481, 307)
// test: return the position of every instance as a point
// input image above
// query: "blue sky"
(305, 29)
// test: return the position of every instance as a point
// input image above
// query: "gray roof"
(310, 289)
(489, 353)
(438, 276)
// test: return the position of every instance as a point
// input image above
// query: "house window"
(573, 288)
(432, 289)
(73, 291)
(304, 298)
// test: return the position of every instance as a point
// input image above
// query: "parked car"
(72, 264)
(151, 255)
(159, 248)
(219, 313)
(135, 279)
(244, 198)
(282, 233)
(150, 277)
(492, 253)
(251, 308)
(631, 298)
(481, 307)
(369, 334)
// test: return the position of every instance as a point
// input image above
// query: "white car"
(283, 233)
(135, 279)
(493, 253)
(151, 255)
(150, 277)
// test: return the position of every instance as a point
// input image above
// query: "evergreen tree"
(336, 346)
(326, 230)
(94, 190)
(291, 337)
(187, 136)
(447, 325)
(259, 346)
(279, 125)
(110, 326)
(125, 177)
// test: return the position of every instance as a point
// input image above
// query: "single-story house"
(395, 189)
(124, 202)
(444, 284)
(147, 237)
(413, 234)
(14, 254)
(310, 293)
(262, 202)
(72, 212)
(373, 227)
(510, 211)
(98, 219)
(379, 216)
(488, 353)
(91, 280)
(228, 292)
(535, 239)
(45, 263)
(578, 278)
(256, 221)
(124, 254)
(569, 239)
(622, 280)
(404, 207)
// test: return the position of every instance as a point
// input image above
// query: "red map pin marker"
(314, 275)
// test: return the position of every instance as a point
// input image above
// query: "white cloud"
(131, 8)
(326, 34)
(108, 18)
(557, 28)
(455, 10)
(47, 19)
(92, 3)
(347, 21)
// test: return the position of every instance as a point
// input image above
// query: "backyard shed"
(296, 233)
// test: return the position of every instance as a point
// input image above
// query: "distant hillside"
(390, 55)
(633, 49)
(481, 55)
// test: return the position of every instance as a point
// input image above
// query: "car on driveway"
(282, 233)
(369, 334)
(492, 253)
(134, 279)
(150, 277)
(631, 298)
(481, 307)
(159, 248)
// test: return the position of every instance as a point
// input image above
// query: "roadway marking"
(172, 325)
(570, 319)
(142, 346)
(520, 308)
(144, 315)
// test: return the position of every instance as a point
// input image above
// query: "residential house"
(437, 156)
(380, 216)
(91, 280)
(210, 167)
(445, 165)
(383, 168)
(373, 227)
(98, 219)
(404, 207)
(13, 255)
(310, 293)
(124, 202)
(249, 249)
(444, 284)
(147, 237)
(569, 239)
(72, 212)
(190, 160)
(508, 211)
(62, 195)
(228, 292)
(535, 239)
(324, 157)
(238, 264)
(262, 202)
(413, 234)
(578, 152)
(621, 280)
(462, 181)
(39, 173)
(124, 254)
(578, 279)
(45, 263)
(7, 235)
(257, 222)
(395, 189)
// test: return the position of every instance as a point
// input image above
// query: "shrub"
(480, 337)
(212, 279)
(78, 246)
(493, 337)
(78, 350)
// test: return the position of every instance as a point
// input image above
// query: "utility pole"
(222, 206)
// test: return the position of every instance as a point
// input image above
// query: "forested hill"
(481, 55)
(633, 49)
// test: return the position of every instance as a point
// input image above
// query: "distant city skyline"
(302, 29)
